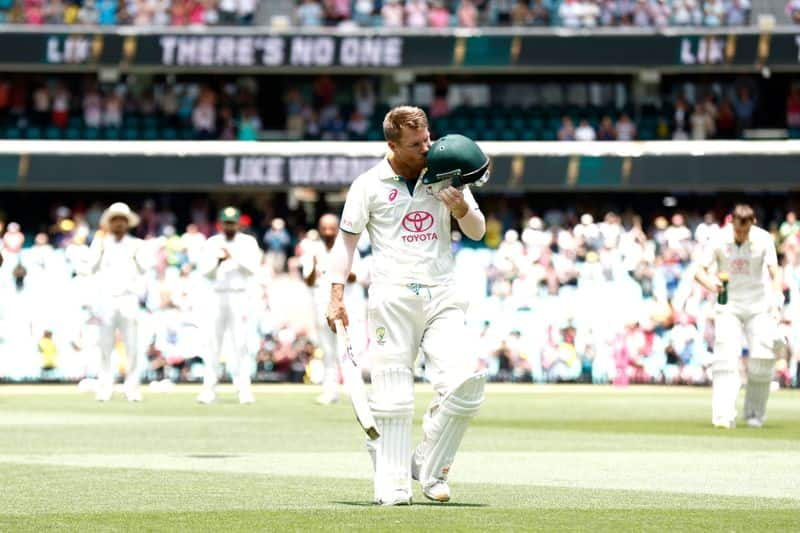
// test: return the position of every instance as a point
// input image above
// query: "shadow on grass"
(427, 504)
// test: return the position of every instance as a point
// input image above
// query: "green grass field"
(568, 458)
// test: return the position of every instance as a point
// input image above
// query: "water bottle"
(722, 296)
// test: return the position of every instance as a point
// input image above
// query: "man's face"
(412, 147)
(230, 229)
(741, 229)
(328, 230)
(118, 225)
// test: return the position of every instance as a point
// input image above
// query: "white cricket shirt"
(235, 273)
(749, 284)
(117, 265)
(410, 234)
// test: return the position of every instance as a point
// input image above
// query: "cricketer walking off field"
(746, 254)
(229, 260)
(412, 300)
(117, 261)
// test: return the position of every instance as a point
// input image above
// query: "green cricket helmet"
(458, 159)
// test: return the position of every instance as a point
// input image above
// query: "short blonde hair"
(744, 213)
(403, 117)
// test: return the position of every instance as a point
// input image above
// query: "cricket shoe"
(103, 395)
(725, 424)
(133, 396)
(439, 491)
(397, 497)
(206, 396)
(755, 422)
(327, 399)
(246, 396)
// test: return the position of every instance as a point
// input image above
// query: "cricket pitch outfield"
(566, 458)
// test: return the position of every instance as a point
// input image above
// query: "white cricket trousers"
(231, 310)
(402, 319)
(119, 314)
(730, 327)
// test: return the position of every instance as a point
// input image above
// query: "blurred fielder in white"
(118, 262)
(745, 253)
(229, 260)
(316, 274)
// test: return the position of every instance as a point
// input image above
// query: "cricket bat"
(354, 383)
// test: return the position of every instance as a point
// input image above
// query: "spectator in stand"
(250, 125)
(246, 11)
(585, 131)
(34, 12)
(606, 131)
(204, 116)
(88, 13)
(590, 16)
(112, 110)
(789, 227)
(641, 14)
(713, 13)
(467, 14)
(726, 121)
(570, 13)
(61, 101)
(744, 105)
(92, 109)
(521, 14)
(393, 14)
(416, 13)
(626, 129)
(793, 108)
(737, 13)
(540, 14)
(567, 130)
(661, 14)
(680, 120)
(41, 105)
(681, 15)
(54, 12)
(13, 239)
(439, 16)
(793, 10)
(702, 123)
(357, 126)
(363, 11)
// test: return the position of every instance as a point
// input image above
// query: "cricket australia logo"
(380, 335)
(418, 223)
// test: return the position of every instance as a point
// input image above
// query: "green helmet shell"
(457, 158)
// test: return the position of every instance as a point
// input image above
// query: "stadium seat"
(130, 134)
(73, 134)
(13, 132)
(794, 133)
(52, 133)
(150, 134)
(75, 122)
(91, 134)
(33, 132)
(169, 134)
(112, 134)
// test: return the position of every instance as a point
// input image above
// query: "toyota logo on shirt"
(418, 221)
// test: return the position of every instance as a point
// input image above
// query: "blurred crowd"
(388, 13)
(150, 109)
(568, 13)
(556, 296)
(129, 12)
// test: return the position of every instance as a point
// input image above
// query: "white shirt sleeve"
(246, 254)
(355, 214)
(708, 256)
(770, 256)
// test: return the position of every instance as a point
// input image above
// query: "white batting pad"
(392, 404)
(724, 390)
(444, 427)
(759, 376)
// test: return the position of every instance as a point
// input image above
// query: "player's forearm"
(702, 277)
(473, 224)
(342, 257)
(777, 279)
